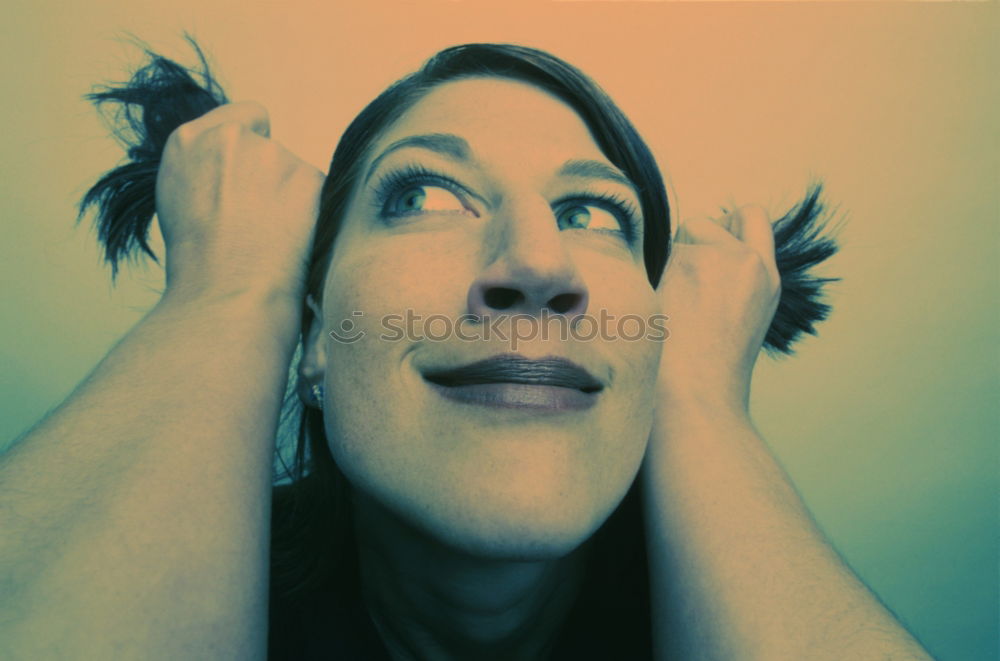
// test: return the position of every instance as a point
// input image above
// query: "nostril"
(502, 298)
(563, 303)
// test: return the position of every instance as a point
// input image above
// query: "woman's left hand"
(720, 291)
(738, 568)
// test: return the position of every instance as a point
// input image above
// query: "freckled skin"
(495, 483)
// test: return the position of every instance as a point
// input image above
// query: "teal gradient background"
(887, 421)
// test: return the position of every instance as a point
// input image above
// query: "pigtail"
(158, 98)
(799, 246)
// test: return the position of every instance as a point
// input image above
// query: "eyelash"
(618, 206)
(396, 181)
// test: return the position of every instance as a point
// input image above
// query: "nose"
(529, 268)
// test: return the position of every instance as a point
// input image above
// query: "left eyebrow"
(446, 144)
(596, 170)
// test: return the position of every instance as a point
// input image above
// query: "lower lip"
(520, 396)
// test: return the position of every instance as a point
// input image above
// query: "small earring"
(317, 393)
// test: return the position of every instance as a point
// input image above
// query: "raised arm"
(738, 568)
(134, 518)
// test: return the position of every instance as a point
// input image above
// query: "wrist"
(701, 404)
(252, 313)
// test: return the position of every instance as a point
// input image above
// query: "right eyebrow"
(446, 144)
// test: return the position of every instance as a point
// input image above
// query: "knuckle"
(252, 115)
(754, 213)
(174, 141)
(706, 259)
(696, 224)
(751, 263)
(295, 175)
(229, 131)
(255, 109)
(757, 217)
(224, 135)
(183, 135)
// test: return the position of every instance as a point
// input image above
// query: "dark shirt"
(326, 627)
(609, 620)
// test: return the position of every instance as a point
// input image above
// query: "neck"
(430, 601)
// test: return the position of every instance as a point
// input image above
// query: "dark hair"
(311, 527)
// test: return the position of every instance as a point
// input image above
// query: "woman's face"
(489, 197)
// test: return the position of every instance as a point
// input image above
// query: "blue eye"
(588, 216)
(599, 212)
(414, 190)
(419, 197)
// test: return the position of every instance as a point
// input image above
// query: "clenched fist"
(237, 210)
(720, 290)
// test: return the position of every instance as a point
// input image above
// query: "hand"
(720, 290)
(237, 210)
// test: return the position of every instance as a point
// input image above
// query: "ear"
(312, 366)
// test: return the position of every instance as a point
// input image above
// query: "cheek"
(632, 326)
(370, 291)
(425, 276)
(632, 339)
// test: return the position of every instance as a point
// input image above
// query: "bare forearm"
(739, 570)
(134, 518)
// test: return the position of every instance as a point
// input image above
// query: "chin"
(513, 526)
(524, 494)
(512, 540)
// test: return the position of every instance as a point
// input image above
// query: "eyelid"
(624, 209)
(413, 173)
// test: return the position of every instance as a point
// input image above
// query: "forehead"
(499, 118)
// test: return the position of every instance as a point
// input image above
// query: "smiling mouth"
(513, 381)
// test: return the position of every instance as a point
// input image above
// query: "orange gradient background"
(887, 421)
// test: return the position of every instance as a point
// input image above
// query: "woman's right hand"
(236, 209)
(134, 517)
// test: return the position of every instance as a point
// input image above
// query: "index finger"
(250, 114)
(752, 225)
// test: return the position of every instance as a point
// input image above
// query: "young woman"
(454, 496)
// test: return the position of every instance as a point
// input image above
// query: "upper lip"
(514, 368)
